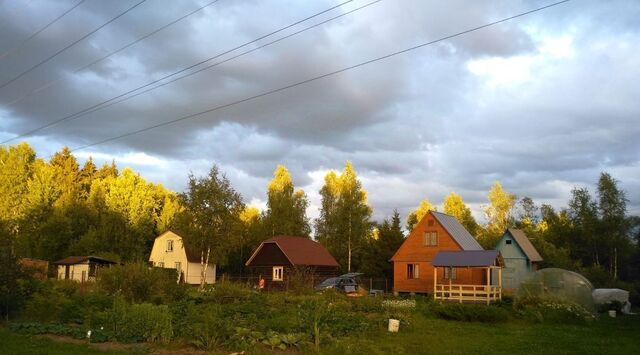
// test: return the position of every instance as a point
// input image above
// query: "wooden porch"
(468, 293)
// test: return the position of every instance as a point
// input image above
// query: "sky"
(542, 103)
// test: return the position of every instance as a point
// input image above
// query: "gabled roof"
(193, 256)
(467, 258)
(457, 231)
(299, 251)
(525, 244)
(72, 260)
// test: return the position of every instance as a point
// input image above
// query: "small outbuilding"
(81, 268)
(277, 259)
(521, 258)
(481, 264)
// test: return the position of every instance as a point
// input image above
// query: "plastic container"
(612, 314)
(394, 325)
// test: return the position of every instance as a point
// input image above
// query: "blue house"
(520, 257)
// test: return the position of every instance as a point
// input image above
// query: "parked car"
(345, 283)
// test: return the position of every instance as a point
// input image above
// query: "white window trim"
(169, 247)
(278, 273)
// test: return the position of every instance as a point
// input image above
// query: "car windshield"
(329, 282)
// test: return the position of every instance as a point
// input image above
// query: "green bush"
(469, 312)
(551, 310)
(46, 306)
(228, 292)
(139, 322)
(34, 328)
(139, 283)
(207, 327)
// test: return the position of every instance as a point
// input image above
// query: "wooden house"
(436, 232)
(170, 252)
(520, 257)
(278, 258)
(479, 287)
(81, 268)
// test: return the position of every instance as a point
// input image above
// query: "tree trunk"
(349, 246)
(615, 263)
(205, 264)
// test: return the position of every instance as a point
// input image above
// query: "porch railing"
(467, 293)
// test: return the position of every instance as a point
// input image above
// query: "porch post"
(500, 281)
(488, 284)
(435, 278)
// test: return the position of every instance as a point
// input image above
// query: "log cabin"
(277, 259)
(436, 232)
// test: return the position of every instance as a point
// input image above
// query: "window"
(508, 241)
(178, 266)
(430, 222)
(450, 273)
(431, 239)
(169, 245)
(160, 264)
(277, 273)
(413, 271)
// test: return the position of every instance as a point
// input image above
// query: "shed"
(486, 261)
(520, 257)
(81, 268)
(277, 259)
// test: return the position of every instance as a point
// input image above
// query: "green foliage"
(137, 282)
(416, 216)
(286, 212)
(14, 281)
(381, 248)
(208, 328)
(454, 205)
(344, 224)
(499, 215)
(138, 322)
(48, 328)
(551, 309)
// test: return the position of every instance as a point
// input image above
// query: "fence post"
(386, 286)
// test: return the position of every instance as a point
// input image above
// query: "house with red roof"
(279, 258)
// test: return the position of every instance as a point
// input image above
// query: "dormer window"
(169, 245)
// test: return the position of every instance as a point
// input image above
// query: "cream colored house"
(169, 252)
(81, 268)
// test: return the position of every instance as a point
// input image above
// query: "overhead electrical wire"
(23, 42)
(55, 81)
(94, 108)
(290, 86)
(70, 45)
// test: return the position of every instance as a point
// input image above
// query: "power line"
(387, 56)
(70, 45)
(53, 82)
(93, 108)
(223, 61)
(14, 48)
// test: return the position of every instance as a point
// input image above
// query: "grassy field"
(424, 336)
(434, 336)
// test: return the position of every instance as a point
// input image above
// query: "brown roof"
(300, 251)
(524, 243)
(72, 260)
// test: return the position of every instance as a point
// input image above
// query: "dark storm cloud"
(418, 125)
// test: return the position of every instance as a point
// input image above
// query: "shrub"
(139, 322)
(228, 292)
(551, 309)
(140, 283)
(34, 328)
(207, 327)
(46, 306)
(469, 312)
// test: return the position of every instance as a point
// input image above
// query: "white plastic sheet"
(608, 295)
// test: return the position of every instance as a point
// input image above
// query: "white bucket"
(394, 325)
(612, 314)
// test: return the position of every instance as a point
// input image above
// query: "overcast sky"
(541, 103)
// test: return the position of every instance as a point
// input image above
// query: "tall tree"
(211, 217)
(85, 177)
(416, 215)
(16, 164)
(286, 212)
(612, 208)
(344, 223)
(387, 239)
(67, 170)
(498, 214)
(454, 205)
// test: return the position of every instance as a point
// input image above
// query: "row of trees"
(55, 208)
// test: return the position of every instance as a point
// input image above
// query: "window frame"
(277, 273)
(160, 264)
(413, 271)
(450, 273)
(430, 239)
(169, 247)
